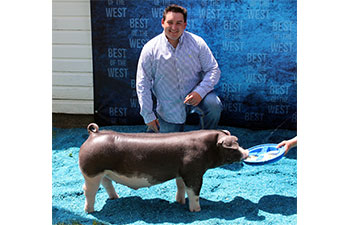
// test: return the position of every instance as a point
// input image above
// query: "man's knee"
(213, 103)
(166, 127)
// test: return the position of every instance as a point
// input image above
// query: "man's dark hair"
(176, 9)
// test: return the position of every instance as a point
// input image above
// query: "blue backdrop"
(254, 42)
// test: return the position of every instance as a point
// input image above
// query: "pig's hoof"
(194, 206)
(180, 199)
(197, 209)
(114, 197)
(89, 209)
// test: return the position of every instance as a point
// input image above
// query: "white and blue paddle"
(264, 154)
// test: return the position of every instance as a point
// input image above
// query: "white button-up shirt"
(172, 73)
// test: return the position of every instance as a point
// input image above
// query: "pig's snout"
(245, 153)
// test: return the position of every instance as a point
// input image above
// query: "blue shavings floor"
(230, 194)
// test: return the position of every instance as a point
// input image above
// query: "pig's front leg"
(193, 188)
(180, 194)
(90, 188)
(193, 200)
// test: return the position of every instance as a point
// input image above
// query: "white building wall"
(72, 78)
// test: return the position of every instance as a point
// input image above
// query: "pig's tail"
(92, 128)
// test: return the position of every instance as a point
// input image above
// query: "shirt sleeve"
(144, 85)
(210, 68)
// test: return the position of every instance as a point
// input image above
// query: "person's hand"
(288, 144)
(153, 125)
(193, 98)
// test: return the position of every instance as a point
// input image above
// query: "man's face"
(174, 25)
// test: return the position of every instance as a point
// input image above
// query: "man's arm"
(210, 68)
(144, 85)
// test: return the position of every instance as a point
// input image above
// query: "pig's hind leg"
(107, 184)
(180, 194)
(90, 188)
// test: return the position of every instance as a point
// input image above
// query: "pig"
(145, 159)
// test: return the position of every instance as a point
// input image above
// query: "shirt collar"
(180, 39)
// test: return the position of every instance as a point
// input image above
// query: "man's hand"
(193, 98)
(154, 125)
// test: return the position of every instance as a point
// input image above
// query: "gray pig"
(145, 159)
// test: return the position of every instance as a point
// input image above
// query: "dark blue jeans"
(209, 110)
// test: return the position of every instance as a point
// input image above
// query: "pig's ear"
(226, 132)
(228, 142)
